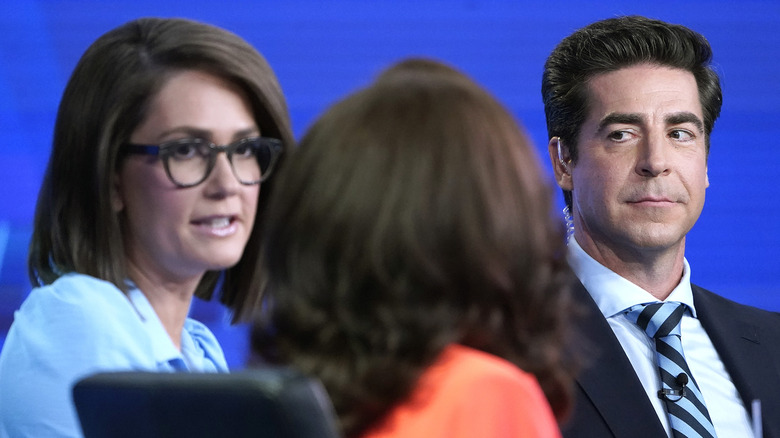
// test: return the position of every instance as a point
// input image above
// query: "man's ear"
(561, 163)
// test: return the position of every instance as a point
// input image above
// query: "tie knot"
(658, 319)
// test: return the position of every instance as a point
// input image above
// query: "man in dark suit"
(630, 105)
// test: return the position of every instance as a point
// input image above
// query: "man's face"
(641, 174)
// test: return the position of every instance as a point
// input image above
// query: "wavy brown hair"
(413, 215)
(106, 98)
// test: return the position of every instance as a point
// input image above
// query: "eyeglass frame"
(275, 146)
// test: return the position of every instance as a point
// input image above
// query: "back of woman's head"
(104, 101)
(413, 215)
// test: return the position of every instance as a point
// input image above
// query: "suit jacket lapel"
(609, 380)
(736, 333)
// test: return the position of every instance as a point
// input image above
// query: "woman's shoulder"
(72, 326)
(501, 399)
(74, 288)
(63, 331)
(467, 366)
(468, 393)
(499, 385)
(78, 301)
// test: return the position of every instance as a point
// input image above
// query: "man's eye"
(619, 135)
(681, 134)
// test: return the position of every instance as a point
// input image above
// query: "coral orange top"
(468, 393)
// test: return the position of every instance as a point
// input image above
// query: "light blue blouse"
(77, 326)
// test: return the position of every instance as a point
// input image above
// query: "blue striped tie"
(688, 415)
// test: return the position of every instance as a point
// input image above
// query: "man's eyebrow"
(620, 118)
(635, 119)
(685, 117)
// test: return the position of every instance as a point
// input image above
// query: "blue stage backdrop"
(323, 50)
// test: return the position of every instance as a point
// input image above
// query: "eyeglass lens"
(190, 161)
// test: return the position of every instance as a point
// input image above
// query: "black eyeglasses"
(188, 162)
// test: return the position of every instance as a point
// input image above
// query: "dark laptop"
(267, 402)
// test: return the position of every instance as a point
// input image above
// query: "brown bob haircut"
(106, 98)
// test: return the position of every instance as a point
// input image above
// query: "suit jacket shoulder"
(747, 340)
(609, 399)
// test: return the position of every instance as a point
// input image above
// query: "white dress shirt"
(613, 294)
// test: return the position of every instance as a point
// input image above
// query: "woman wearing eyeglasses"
(165, 138)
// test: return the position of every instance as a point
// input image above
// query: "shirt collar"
(613, 293)
(163, 349)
